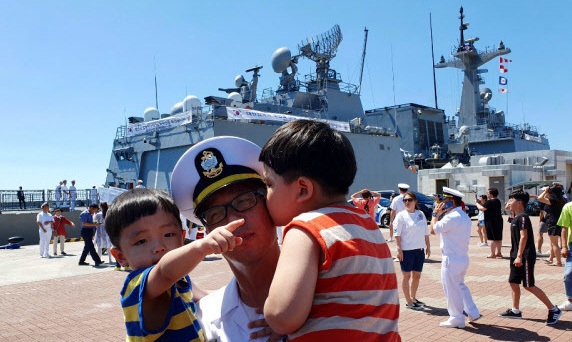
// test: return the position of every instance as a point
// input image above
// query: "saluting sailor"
(454, 227)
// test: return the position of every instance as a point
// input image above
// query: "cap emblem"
(209, 164)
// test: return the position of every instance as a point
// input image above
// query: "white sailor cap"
(209, 166)
(448, 192)
(403, 186)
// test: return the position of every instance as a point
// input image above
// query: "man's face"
(258, 232)
(46, 208)
(144, 242)
(514, 205)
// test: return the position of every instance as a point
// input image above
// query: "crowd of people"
(333, 255)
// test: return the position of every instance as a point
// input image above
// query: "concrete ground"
(57, 300)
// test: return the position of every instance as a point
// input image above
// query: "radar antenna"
(321, 49)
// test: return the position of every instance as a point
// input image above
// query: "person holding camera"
(553, 202)
(493, 221)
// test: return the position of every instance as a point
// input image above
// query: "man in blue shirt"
(87, 233)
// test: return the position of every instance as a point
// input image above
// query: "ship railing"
(332, 75)
(35, 198)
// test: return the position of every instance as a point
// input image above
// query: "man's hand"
(565, 252)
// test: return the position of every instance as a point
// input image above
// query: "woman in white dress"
(412, 240)
(101, 238)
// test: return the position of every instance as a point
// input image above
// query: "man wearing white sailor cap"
(454, 227)
(396, 207)
(215, 182)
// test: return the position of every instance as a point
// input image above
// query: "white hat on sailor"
(209, 166)
(452, 192)
(403, 186)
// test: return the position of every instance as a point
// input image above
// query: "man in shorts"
(522, 259)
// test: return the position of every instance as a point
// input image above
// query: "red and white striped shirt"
(356, 296)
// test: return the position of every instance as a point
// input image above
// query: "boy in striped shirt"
(335, 278)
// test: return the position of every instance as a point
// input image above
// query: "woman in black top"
(553, 203)
(493, 221)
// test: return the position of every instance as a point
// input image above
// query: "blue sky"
(72, 71)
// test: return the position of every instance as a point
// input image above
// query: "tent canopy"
(529, 185)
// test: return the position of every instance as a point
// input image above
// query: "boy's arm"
(521, 245)
(179, 262)
(564, 236)
(292, 291)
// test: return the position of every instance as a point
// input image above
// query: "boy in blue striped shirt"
(157, 299)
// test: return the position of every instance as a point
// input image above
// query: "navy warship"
(480, 128)
(148, 147)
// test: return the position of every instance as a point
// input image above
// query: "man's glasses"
(240, 203)
(408, 200)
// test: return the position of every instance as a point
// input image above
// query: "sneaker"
(418, 302)
(117, 268)
(566, 306)
(127, 268)
(390, 240)
(64, 253)
(413, 306)
(55, 254)
(83, 263)
(539, 254)
(99, 263)
(396, 259)
(553, 316)
(511, 314)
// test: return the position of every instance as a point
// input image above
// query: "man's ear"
(305, 189)
(119, 256)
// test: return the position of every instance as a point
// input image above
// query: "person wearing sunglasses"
(412, 240)
(216, 182)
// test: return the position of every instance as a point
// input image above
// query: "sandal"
(558, 265)
(548, 261)
(499, 255)
(491, 256)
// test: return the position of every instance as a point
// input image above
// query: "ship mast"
(468, 59)
(362, 59)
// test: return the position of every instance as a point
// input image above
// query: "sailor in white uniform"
(454, 227)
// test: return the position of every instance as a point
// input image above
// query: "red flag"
(503, 90)
(504, 60)
(502, 69)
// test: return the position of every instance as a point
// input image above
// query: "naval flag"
(503, 70)
(504, 60)
(503, 80)
(503, 90)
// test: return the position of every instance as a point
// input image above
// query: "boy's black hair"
(520, 195)
(308, 148)
(494, 192)
(133, 205)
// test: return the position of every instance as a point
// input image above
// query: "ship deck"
(54, 299)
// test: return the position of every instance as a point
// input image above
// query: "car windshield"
(423, 198)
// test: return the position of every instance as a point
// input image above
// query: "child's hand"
(221, 239)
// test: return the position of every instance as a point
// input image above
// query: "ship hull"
(379, 159)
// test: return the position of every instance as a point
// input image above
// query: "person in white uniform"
(45, 220)
(65, 193)
(454, 227)
(73, 195)
(396, 207)
(215, 182)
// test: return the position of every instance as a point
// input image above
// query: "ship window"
(382, 147)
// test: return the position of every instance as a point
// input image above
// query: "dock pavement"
(57, 300)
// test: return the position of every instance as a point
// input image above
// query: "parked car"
(424, 202)
(381, 212)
